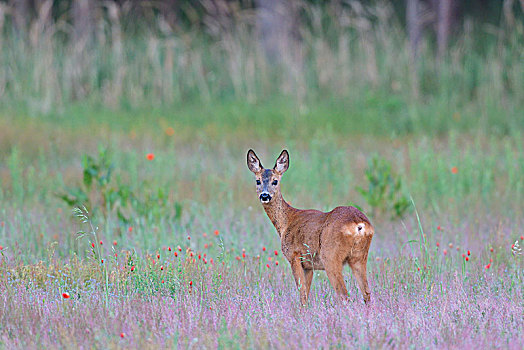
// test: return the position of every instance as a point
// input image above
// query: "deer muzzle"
(265, 197)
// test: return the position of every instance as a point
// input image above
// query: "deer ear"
(282, 162)
(253, 163)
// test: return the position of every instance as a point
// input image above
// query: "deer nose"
(265, 197)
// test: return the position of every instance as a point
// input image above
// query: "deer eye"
(258, 182)
(275, 182)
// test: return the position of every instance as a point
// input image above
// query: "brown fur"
(333, 238)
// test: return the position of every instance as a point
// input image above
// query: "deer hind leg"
(300, 279)
(334, 273)
(360, 272)
(309, 277)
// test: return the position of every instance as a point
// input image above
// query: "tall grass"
(355, 54)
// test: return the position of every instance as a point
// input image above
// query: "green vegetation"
(149, 127)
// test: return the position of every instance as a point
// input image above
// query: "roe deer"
(330, 240)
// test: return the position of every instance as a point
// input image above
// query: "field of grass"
(150, 134)
(223, 287)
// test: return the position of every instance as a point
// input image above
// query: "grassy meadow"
(150, 133)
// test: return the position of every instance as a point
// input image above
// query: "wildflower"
(158, 256)
(216, 233)
(101, 242)
(205, 261)
(114, 243)
(92, 244)
(150, 156)
(469, 253)
(2, 224)
(188, 238)
(450, 245)
(522, 238)
(445, 252)
(491, 249)
(130, 229)
(116, 255)
(191, 254)
(170, 131)
(516, 249)
(438, 244)
(199, 256)
(276, 252)
(276, 262)
(122, 335)
(238, 258)
(65, 295)
(179, 249)
(269, 258)
(267, 265)
(454, 170)
(205, 246)
(490, 260)
(263, 249)
(162, 281)
(488, 266)
(132, 268)
(211, 261)
(244, 255)
(418, 268)
(161, 268)
(169, 248)
(439, 228)
(102, 261)
(190, 283)
(463, 255)
(467, 259)
(204, 235)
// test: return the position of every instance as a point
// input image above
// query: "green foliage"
(101, 190)
(384, 192)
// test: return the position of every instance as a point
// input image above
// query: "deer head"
(267, 180)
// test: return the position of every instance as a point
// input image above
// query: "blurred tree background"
(449, 56)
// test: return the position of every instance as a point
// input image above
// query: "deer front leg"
(360, 272)
(309, 277)
(300, 278)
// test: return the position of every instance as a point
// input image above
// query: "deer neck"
(279, 212)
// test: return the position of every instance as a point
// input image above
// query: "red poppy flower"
(454, 170)
(150, 156)
(66, 295)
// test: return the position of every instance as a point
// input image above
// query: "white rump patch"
(357, 229)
